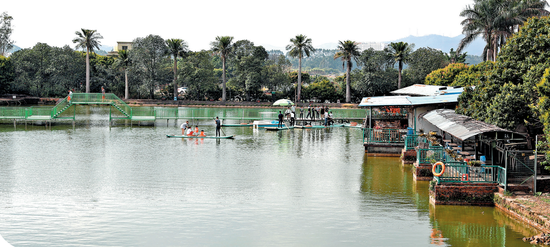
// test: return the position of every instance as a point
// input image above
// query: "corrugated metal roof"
(460, 126)
(409, 101)
(426, 90)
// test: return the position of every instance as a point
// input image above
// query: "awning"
(460, 126)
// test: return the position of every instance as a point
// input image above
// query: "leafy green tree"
(176, 48)
(6, 74)
(123, 61)
(445, 76)
(46, 71)
(400, 52)
(456, 57)
(421, 63)
(473, 75)
(88, 39)
(197, 73)
(5, 33)
(299, 46)
(148, 55)
(321, 89)
(376, 77)
(347, 50)
(277, 73)
(223, 47)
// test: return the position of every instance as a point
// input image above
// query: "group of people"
(312, 111)
(187, 129)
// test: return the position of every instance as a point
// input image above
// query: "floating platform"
(205, 137)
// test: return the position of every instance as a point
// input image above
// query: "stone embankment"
(534, 210)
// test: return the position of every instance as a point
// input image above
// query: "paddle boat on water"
(279, 128)
(205, 137)
(265, 123)
(319, 126)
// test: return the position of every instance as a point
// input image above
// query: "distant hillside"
(444, 43)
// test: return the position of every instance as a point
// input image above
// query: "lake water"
(95, 185)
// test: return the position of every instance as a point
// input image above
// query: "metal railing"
(12, 112)
(384, 135)
(431, 155)
(411, 141)
(459, 172)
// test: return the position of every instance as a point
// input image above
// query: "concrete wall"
(463, 194)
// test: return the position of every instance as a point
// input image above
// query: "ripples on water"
(98, 186)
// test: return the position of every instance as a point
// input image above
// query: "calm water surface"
(92, 185)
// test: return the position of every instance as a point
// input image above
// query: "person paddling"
(184, 126)
(218, 126)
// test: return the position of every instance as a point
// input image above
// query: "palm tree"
(176, 47)
(347, 50)
(298, 46)
(223, 47)
(123, 60)
(496, 21)
(400, 53)
(88, 39)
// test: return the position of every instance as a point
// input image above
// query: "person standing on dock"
(302, 112)
(325, 113)
(280, 125)
(218, 126)
(292, 118)
(183, 127)
(293, 110)
(308, 111)
(103, 94)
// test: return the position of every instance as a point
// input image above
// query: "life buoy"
(438, 174)
(464, 177)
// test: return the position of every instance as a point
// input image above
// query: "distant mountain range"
(435, 41)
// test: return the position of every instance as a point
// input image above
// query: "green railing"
(12, 112)
(143, 112)
(411, 141)
(166, 113)
(60, 107)
(459, 172)
(38, 111)
(431, 155)
(384, 135)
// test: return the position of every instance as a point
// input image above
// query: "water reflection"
(132, 186)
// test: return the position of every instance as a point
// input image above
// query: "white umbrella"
(283, 102)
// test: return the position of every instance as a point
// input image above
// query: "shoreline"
(23, 101)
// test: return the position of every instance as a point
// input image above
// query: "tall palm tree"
(88, 39)
(124, 61)
(496, 21)
(176, 47)
(346, 51)
(223, 46)
(400, 53)
(298, 46)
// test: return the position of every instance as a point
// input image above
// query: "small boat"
(353, 126)
(277, 128)
(265, 123)
(320, 126)
(237, 125)
(206, 137)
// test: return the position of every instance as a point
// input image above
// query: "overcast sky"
(198, 22)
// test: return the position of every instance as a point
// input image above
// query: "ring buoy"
(437, 174)
(464, 177)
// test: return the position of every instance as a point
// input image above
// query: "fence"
(384, 135)
(459, 172)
